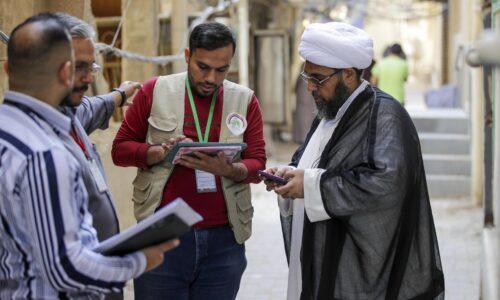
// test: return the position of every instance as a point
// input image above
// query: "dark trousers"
(208, 264)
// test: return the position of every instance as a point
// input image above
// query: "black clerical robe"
(380, 241)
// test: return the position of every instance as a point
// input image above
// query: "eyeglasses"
(85, 68)
(315, 81)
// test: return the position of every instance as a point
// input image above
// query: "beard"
(328, 108)
(195, 86)
(68, 99)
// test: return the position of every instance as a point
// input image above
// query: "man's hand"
(217, 165)
(129, 87)
(277, 171)
(157, 153)
(154, 254)
(295, 186)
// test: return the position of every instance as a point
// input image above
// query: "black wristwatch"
(124, 96)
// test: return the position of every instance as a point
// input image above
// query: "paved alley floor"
(458, 226)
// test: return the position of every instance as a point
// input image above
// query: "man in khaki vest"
(200, 106)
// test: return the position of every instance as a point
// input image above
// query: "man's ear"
(349, 75)
(187, 54)
(66, 74)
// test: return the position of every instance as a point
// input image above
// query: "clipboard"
(231, 150)
(169, 222)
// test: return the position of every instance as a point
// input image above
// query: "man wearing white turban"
(356, 217)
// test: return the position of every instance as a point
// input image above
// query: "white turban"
(336, 45)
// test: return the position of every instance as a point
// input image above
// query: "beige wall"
(8, 20)
(421, 40)
(13, 12)
(78, 8)
(475, 98)
(140, 35)
(457, 27)
(179, 32)
(119, 178)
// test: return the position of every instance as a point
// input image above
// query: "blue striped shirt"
(45, 228)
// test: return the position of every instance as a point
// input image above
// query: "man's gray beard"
(328, 109)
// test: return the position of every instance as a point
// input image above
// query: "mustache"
(211, 84)
(82, 88)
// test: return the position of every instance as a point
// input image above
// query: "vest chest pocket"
(160, 129)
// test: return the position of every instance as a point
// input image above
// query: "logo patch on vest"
(236, 123)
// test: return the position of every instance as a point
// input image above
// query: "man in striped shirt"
(45, 227)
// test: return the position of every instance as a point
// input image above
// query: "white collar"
(348, 102)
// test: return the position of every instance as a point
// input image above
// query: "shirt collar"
(349, 100)
(49, 114)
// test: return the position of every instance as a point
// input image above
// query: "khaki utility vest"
(166, 121)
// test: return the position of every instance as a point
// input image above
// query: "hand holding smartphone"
(277, 179)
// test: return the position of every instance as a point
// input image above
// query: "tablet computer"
(231, 150)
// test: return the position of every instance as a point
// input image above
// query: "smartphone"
(277, 179)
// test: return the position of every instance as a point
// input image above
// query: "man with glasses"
(87, 115)
(356, 215)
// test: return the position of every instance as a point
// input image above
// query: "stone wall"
(120, 179)
(8, 20)
(140, 35)
(13, 12)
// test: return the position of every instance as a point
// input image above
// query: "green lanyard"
(195, 114)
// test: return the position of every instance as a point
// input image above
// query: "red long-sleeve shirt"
(129, 149)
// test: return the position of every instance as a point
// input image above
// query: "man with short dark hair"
(390, 73)
(356, 215)
(46, 230)
(199, 105)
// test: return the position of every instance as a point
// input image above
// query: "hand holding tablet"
(231, 150)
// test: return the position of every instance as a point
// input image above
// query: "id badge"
(205, 182)
(97, 175)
